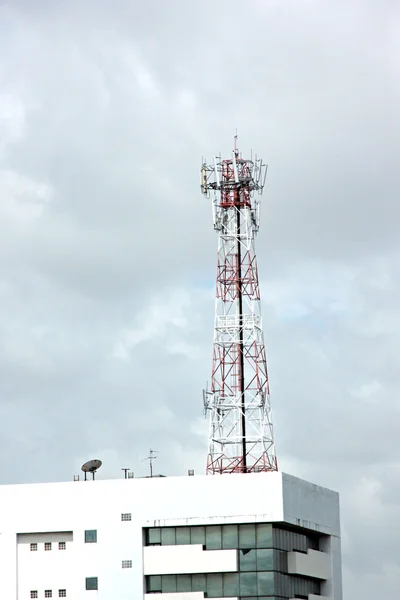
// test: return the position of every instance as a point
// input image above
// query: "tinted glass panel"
(231, 584)
(198, 535)
(248, 584)
(213, 537)
(280, 561)
(247, 536)
(247, 560)
(183, 583)
(168, 583)
(214, 585)
(230, 536)
(265, 560)
(91, 536)
(264, 535)
(265, 583)
(199, 583)
(154, 536)
(91, 583)
(183, 535)
(168, 536)
(154, 583)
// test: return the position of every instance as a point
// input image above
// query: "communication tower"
(241, 436)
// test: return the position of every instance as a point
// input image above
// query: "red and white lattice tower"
(241, 438)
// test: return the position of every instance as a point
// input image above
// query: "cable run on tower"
(241, 436)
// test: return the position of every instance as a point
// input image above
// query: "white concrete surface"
(313, 564)
(168, 560)
(54, 508)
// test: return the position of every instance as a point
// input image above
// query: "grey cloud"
(107, 252)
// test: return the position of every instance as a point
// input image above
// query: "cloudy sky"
(107, 250)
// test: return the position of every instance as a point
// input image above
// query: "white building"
(265, 535)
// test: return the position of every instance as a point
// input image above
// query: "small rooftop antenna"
(150, 458)
(126, 472)
(91, 466)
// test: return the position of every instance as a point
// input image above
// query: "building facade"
(250, 536)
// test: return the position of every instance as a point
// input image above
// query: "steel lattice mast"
(241, 436)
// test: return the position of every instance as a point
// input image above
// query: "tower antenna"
(241, 436)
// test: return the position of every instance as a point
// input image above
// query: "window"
(198, 535)
(127, 564)
(92, 583)
(168, 583)
(48, 593)
(248, 583)
(183, 535)
(183, 583)
(62, 545)
(168, 537)
(154, 583)
(264, 535)
(62, 593)
(247, 560)
(231, 584)
(34, 547)
(154, 536)
(247, 535)
(213, 537)
(34, 594)
(91, 536)
(126, 516)
(230, 538)
(214, 585)
(47, 546)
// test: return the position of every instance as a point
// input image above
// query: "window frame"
(34, 594)
(94, 579)
(48, 546)
(88, 534)
(62, 545)
(33, 547)
(48, 593)
(126, 517)
(62, 593)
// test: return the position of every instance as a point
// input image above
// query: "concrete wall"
(313, 564)
(168, 560)
(76, 506)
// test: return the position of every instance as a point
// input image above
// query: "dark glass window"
(247, 535)
(183, 535)
(168, 583)
(213, 537)
(91, 536)
(214, 585)
(265, 583)
(265, 560)
(280, 561)
(154, 583)
(230, 536)
(154, 536)
(248, 584)
(264, 535)
(247, 560)
(231, 584)
(199, 583)
(198, 535)
(183, 583)
(168, 536)
(92, 583)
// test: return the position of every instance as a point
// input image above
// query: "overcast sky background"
(108, 254)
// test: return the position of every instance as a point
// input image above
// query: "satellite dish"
(91, 466)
